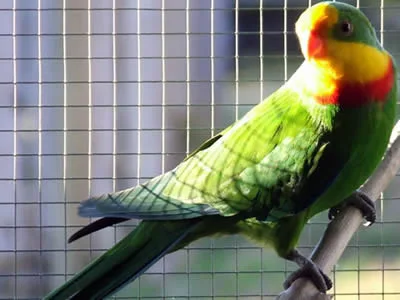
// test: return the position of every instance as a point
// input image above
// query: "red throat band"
(356, 94)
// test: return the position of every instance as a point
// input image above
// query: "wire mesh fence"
(99, 96)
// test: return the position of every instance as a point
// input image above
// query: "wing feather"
(257, 165)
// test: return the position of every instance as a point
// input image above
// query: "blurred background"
(101, 95)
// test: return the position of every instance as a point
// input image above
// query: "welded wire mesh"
(98, 96)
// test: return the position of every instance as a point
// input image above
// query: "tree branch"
(341, 229)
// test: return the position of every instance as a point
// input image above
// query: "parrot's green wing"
(255, 166)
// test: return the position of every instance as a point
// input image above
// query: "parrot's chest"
(360, 139)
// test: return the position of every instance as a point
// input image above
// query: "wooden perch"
(341, 229)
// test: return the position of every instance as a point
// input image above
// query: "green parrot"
(303, 150)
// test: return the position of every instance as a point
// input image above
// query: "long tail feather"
(127, 260)
(95, 226)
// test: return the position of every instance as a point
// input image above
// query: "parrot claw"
(309, 270)
(359, 200)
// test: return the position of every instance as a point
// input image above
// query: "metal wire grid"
(106, 94)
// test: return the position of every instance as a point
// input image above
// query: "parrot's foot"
(307, 269)
(362, 202)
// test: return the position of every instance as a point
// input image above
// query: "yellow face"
(344, 58)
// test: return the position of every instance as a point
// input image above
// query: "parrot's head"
(340, 38)
(343, 56)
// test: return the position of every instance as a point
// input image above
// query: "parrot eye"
(346, 28)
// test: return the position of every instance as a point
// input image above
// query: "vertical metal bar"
(139, 92)
(163, 83)
(187, 150)
(90, 105)
(14, 40)
(187, 34)
(382, 21)
(285, 32)
(39, 30)
(114, 104)
(236, 60)
(212, 62)
(139, 102)
(65, 165)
